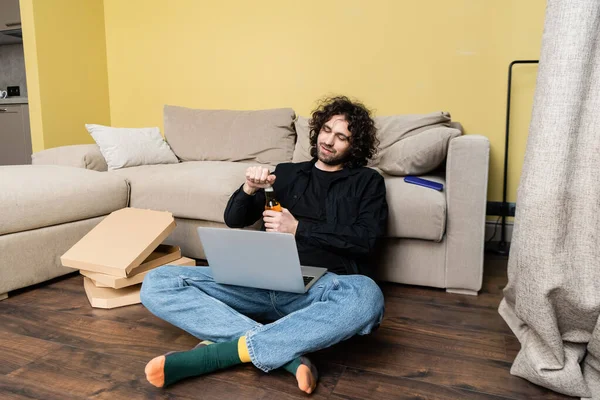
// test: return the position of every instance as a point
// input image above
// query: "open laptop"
(264, 260)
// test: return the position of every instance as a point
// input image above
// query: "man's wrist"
(248, 190)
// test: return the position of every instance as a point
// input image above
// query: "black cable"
(495, 229)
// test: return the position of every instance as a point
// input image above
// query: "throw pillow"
(393, 128)
(129, 147)
(259, 136)
(418, 154)
(302, 149)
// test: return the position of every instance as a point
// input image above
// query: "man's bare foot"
(155, 371)
(306, 381)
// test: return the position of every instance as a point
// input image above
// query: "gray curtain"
(552, 300)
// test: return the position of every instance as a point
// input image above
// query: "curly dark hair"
(363, 142)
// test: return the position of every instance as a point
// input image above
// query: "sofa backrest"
(410, 144)
(262, 136)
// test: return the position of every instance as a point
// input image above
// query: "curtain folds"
(552, 300)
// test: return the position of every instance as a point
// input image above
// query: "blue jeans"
(335, 308)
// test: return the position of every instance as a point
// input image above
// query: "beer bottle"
(271, 203)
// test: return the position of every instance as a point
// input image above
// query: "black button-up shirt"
(343, 238)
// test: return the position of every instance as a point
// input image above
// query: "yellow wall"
(396, 56)
(65, 59)
(523, 87)
(32, 75)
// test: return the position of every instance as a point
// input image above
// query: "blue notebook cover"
(424, 182)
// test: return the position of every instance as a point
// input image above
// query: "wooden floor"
(431, 345)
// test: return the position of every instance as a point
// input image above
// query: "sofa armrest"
(467, 168)
(87, 156)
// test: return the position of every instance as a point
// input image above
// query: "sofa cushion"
(302, 148)
(263, 136)
(423, 152)
(193, 189)
(37, 196)
(200, 190)
(415, 212)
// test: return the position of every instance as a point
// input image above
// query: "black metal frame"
(503, 247)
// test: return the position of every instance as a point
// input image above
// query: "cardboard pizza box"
(115, 282)
(109, 297)
(162, 255)
(106, 297)
(120, 242)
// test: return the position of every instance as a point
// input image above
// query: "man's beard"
(333, 159)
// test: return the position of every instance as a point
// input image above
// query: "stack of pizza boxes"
(118, 253)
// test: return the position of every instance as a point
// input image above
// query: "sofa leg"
(3, 296)
(462, 291)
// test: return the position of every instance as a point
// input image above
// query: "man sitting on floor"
(336, 208)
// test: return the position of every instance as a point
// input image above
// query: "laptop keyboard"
(307, 279)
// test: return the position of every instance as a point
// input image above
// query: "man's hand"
(283, 221)
(257, 178)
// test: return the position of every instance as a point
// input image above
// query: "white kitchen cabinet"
(15, 136)
(10, 16)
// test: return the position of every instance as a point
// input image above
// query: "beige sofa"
(44, 210)
(434, 238)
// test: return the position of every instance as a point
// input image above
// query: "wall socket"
(495, 208)
(12, 91)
